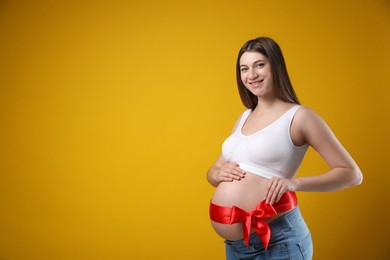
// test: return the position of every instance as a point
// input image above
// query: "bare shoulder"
(313, 128)
(304, 111)
(308, 126)
(305, 117)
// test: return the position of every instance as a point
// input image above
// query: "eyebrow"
(253, 62)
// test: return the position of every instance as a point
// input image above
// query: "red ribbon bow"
(255, 220)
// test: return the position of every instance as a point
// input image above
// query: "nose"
(253, 74)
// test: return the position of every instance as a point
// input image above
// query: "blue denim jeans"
(290, 239)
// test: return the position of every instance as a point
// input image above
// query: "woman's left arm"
(343, 171)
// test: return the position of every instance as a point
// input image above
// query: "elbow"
(352, 177)
(357, 178)
(360, 178)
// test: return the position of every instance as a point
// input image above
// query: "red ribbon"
(255, 218)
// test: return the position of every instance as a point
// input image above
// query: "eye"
(244, 69)
(260, 65)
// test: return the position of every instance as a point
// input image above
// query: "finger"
(234, 177)
(270, 192)
(274, 195)
(235, 171)
(228, 175)
(239, 173)
(227, 179)
(238, 170)
(276, 187)
(280, 194)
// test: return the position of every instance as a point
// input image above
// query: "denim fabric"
(290, 239)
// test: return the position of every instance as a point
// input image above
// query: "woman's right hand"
(228, 172)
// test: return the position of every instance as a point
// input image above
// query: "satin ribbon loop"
(254, 220)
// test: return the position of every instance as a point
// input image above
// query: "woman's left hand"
(277, 187)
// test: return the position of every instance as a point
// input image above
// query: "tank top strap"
(291, 113)
(243, 118)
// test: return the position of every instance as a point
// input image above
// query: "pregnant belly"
(245, 194)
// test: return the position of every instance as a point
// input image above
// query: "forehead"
(250, 57)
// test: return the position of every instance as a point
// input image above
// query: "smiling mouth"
(256, 83)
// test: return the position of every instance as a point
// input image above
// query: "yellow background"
(112, 111)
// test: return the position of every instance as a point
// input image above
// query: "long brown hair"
(282, 84)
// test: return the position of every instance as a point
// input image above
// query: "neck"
(264, 103)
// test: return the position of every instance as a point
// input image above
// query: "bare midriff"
(246, 194)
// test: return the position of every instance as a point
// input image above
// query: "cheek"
(269, 72)
(243, 77)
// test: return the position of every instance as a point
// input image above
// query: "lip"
(256, 83)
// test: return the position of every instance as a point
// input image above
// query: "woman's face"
(256, 73)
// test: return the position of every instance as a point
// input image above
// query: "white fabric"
(268, 152)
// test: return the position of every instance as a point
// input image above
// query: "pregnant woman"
(254, 207)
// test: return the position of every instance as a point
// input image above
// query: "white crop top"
(268, 152)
